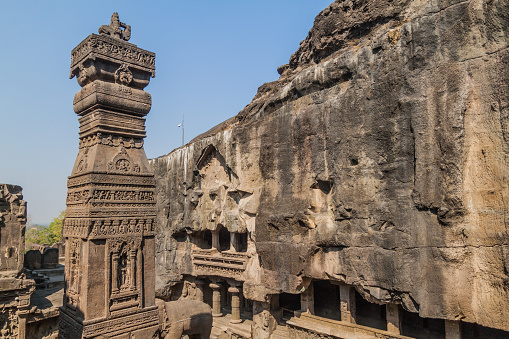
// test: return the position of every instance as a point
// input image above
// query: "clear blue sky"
(211, 56)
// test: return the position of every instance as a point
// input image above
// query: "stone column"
(347, 296)
(215, 240)
(234, 290)
(233, 242)
(216, 299)
(307, 300)
(452, 329)
(23, 311)
(393, 318)
(114, 272)
(132, 262)
(199, 289)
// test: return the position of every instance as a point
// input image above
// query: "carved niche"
(125, 273)
(122, 163)
(73, 283)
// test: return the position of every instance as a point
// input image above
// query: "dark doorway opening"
(370, 314)
(327, 303)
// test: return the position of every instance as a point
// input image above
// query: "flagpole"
(182, 129)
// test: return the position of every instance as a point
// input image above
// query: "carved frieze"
(86, 195)
(230, 265)
(8, 324)
(111, 178)
(131, 322)
(110, 140)
(108, 228)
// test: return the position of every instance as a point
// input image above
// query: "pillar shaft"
(347, 296)
(216, 299)
(452, 329)
(234, 290)
(199, 289)
(393, 318)
(215, 240)
(307, 300)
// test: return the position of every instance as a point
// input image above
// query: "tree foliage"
(43, 235)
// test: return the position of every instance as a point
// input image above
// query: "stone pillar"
(216, 299)
(233, 242)
(234, 290)
(111, 210)
(347, 296)
(307, 303)
(215, 240)
(264, 322)
(132, 263)
(114, 272)
(393, 318)
(199, 289)
(452, 329)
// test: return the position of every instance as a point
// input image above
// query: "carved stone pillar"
(393, 318)
(307, 303)
(233, 242)
(215, 240)
(216, 299)
(199, 289)
(452, 329)
(111, 193)
(347, 296)
(132, 263)
(114, 272)
(234, 290)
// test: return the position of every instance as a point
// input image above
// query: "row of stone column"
(235, 302)
(393, 311)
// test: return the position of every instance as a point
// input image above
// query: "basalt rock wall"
(379, 158)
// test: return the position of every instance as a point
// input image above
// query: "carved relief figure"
(124, 273)
(184, 317)
(115, 28)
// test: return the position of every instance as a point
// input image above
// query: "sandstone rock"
(378, 159)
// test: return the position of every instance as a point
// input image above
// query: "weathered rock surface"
(379, 158)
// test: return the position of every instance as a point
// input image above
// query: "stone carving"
(9, 324)
(184, 317)
(123, 163)
(123, 75)
(116, 28)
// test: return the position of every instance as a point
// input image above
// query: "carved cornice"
(103, 46)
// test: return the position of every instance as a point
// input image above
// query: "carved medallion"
(123, 75)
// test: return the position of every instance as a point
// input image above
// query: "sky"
(211, 57)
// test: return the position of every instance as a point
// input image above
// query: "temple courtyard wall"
(367, 185)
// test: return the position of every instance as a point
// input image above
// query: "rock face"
(379, 159)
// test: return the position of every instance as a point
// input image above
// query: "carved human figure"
(115, 28)
(124, 272)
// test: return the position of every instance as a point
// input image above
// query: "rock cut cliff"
(379, 158)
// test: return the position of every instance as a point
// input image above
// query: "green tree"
(45, 235)
(55, 228)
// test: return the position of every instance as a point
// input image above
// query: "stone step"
(56, 281)
(281, 332)
(222, 324)
(51, 271)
